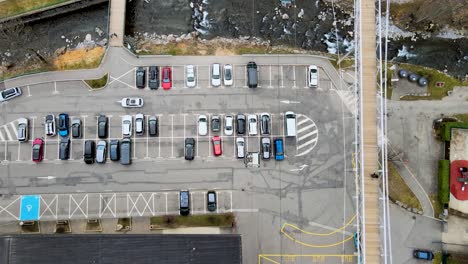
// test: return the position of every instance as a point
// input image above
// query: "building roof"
(120, 249)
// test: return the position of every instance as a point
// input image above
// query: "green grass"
(438, 207)
(446, 129)
(205, 220)
(398, 190)
(462, 117)
(98, 83)
(452, 259)
(434, 76)
(10, 8)
(346, 63)
(443, 181)
(262, 50)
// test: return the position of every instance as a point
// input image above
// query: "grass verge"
(462, 117)
(398, 190)
(10, 8)
(434, 76)
(79, 59)
(98, 83)
(438, 208)
(205, 220)
(451, 259)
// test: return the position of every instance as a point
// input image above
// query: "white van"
(216, 74)
(290, 124)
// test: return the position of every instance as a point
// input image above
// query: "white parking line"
(29, 91)
(233, 77)
(305, 128)
(14, 129)
(185, 77)
(6, 151)
(84, 126)
(55, 88)
(172, 136)
(58, 147)
(209, 136)
(307, 135)
(302, 121)
(2, 138)
(294, 77)
(166, 202)
(305, 144)
(270, 78)
(196, 131)
(147, 137)
(282, 77)
(196, 75)
(209, 76)
(19, 151)
(118, 78)
(172, 75)
(183, 142)
(5, 127)
(282, 130)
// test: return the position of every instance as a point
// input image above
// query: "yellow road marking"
(353, 160)
(316, 246)
(318, 234)
(314, 257)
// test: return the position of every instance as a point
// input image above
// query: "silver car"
(139, 124)
(240, 146)
(202, 125)
(190, 71)
(101, 151)
(228, 125)
(266, 147)
(23, 125)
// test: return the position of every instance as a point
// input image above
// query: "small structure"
(252, 160)
(286, 3)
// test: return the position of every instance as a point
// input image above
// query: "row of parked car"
(184, 202)
(218, 74)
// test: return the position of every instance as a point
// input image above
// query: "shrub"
(444, 181)
(446, 129)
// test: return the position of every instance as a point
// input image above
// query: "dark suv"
(184, 207)
(189, 148)
(89, 151)
(103, 123)
(252, 80)
(140, 78)
(240, 120)
(153, 77)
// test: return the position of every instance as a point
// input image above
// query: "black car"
(211, 201)
(126, 151)
(114, 147)
(76, 128)
(153, 78)
(252, 80)
(184, 207)
(423, 254)
(89, 151)
(240, 124)
(189, 148)
(153, 126)
(103, 124)
(64, 150)
(140, 78)
(215, 124)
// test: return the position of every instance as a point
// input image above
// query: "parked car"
(103, 126)
(166, 78)
(217, 148)
(139, 124)
(279, 152)
(240, 147)
(23, 129)
(140, 78)
(211, 201)
(114, 150)
(127, 126)
(228, 79)
(313, 76)
(216, 75)
(423, 254)
(189, 148)
(190, 72)
(266, 147)
(63, 124)
(76, 127)
(252, 125)
(50, 125)
(131, 102)
(240, 126)
(202, 125)
(38, 150)
(126, 151)
(64, 150)
(153, 126)
(10, 93)
(153, 77)
(101, 151)
(290, 125)
(228, 125)
(215, 123)
(265, 123)
(252, 78)
(89, 151)
(184, 206)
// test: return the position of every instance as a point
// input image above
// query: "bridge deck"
(369, 132)
(117, 22)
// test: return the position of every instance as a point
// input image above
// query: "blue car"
(63, 125)
(279, 153)
(423, 254)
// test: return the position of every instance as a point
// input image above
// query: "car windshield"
(153, 75)
(140, 73)
(240, 143)
(166, 75)
(227, 74)
(202, 119)
(211, 197)
(190, 78)
(132, 102)
(62, 122)
(313, 71)
(252, 120)
(216, 142)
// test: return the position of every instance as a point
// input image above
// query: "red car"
(217, 150)
(166, 78)
(38, 150)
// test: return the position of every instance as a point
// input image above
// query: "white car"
(23, 129)
(190, 71)
(139, 124)
(240, 146)
(130, 102)
(126, 126)
(228, 78)
(228, 125)
(202, 125)
(252, 120)
(216, 75)
(313, 76)
(101, 151)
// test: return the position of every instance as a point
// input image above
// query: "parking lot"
(173, 130)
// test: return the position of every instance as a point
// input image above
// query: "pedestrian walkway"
(371, 234)
(117, 22)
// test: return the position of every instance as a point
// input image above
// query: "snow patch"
(404, 53)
